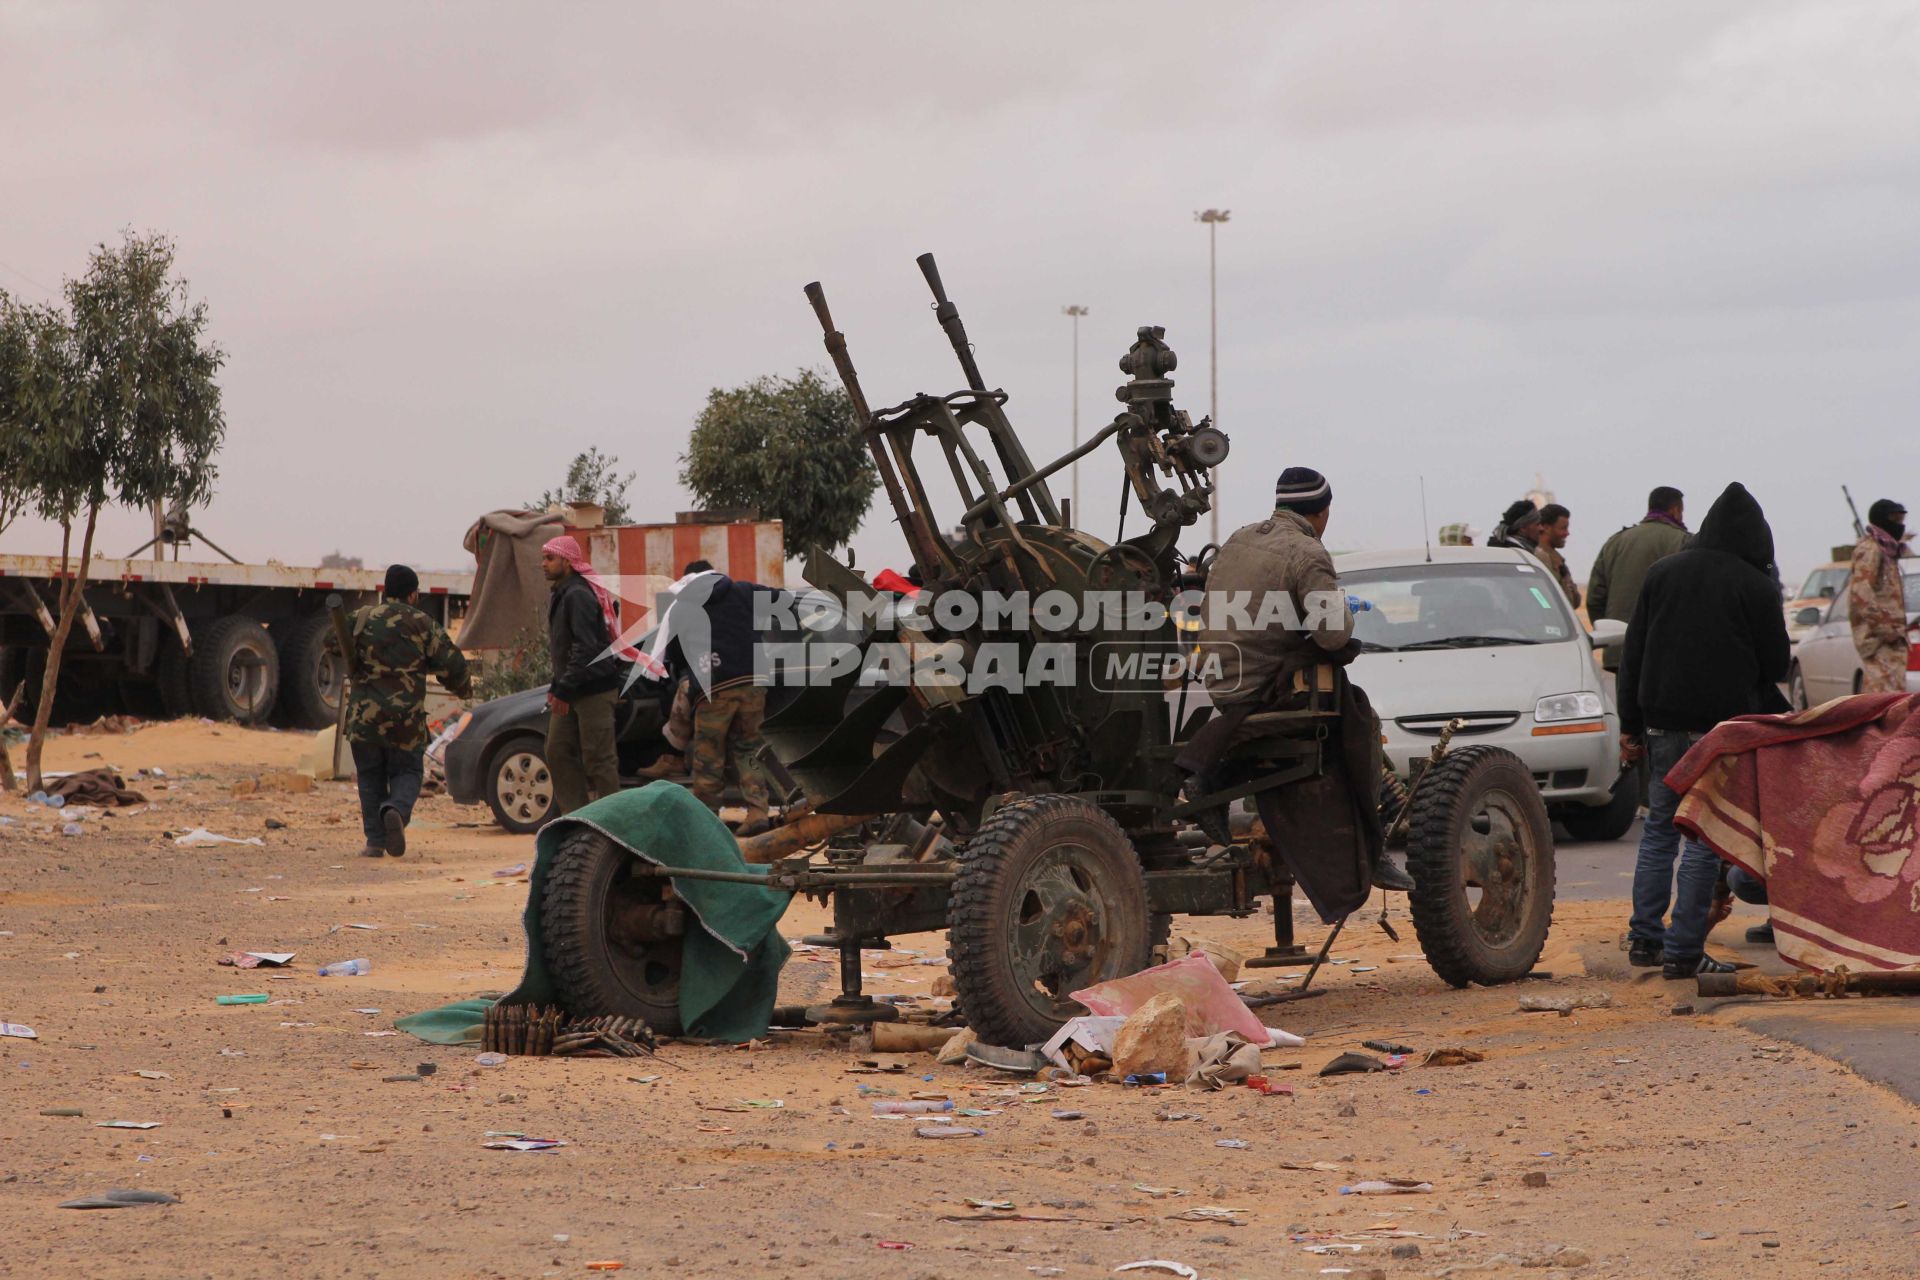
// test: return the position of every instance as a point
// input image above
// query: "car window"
(1434, 606)
(1830, 580)
(1837, 611)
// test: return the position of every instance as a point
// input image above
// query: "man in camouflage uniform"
(395, 646)
(1876, 602)
(717, 649)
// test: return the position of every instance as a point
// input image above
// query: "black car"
(498, 756)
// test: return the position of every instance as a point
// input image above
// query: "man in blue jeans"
(1707, 642)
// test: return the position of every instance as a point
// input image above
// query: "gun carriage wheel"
(1480, 850)
(613, 937)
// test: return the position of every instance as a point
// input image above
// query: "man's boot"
(373, 851)
(1388, 875)
(667, 764)
(395, 828)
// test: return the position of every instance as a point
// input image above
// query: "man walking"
(582, 627)
(711, 639)
(1876, 602)
(395, 646)
(1707, 642)
(1555, 527)
(1613, 589)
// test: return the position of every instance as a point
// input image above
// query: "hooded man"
(582, 635)
(1622, 563)
(1707, 642)
(1327, 828)
(395, 648)
(1876, 601)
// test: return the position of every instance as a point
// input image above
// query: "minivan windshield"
(1457, 606)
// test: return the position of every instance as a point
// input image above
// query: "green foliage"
(111, 399)
(593, 477)
(789, 447)
(527, 663)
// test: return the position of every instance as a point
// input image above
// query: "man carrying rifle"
(1876, 600)
(395, 646)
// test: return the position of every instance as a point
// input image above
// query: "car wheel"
(1607, 821)
(1796, 688)
(519, 785)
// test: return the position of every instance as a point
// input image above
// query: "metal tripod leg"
(1285, 951)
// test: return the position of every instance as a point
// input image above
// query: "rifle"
(343, 633)
(1859, 530)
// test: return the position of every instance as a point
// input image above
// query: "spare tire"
(234, 672)
(609, 939)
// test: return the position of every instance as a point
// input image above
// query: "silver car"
(1825, 663)
(1484, 635)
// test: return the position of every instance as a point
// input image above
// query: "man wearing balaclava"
(1876, 605)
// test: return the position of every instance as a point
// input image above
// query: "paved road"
(1875, 1038)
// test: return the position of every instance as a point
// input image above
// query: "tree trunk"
(69, 611)
(7, 781)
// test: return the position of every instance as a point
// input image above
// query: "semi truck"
(171, 638)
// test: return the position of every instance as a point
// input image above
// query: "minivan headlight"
(1568, 706)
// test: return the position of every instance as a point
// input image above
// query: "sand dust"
(1671, 1146)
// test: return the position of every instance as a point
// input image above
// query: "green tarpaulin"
(730, 971)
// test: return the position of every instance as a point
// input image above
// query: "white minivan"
(1484, 635)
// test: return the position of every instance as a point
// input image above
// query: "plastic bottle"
(346, 968)
(917, 1107)
(55, 802)
(38, 797)
(72, 829)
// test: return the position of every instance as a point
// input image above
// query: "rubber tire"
(213, 653)
(1796, 688)
(572, 919)
(519, 825)
(1607, 821)
(171, 679)
(303, 700)
(1438, 903)
(989, 870)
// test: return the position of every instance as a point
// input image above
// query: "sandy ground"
(1671, 1146)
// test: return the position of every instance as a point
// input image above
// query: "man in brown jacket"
(1295, 633)
(1876, 603)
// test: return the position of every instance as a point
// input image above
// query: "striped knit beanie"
(1302, 489)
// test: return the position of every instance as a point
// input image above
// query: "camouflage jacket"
(1876, 603)
(395, 647)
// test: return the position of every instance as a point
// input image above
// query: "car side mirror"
(1807, 617)
(1607, 631)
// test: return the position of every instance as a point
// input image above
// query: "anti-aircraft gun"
(995, 756)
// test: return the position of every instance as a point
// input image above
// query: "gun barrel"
(949, 317)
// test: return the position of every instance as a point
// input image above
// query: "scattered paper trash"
(1093, 1034)
(250, 997)
(507, 873)
(201, 838)
(524, 1144)
(1161, 1265)
(1387, 1187)
(18, 1032)
(120, 1198)
(257, 959)
(153, 1075)
(1158, 1193)
(947, 1131)
(126, 1124)
(1211, 1213)
(1565, 1005)
(1233, 1144)
(490, 1060)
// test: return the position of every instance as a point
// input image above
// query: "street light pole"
(1213, 218)
(1075, 312)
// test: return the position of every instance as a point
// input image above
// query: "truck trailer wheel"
(1480, 850)
(309, 675)
(171, 679)
(612, 938)
(1048, 898)
(234, 672)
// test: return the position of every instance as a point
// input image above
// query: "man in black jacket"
(712, 640)
(586, 679)
(1707, 642)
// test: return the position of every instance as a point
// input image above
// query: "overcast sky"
(446, 247)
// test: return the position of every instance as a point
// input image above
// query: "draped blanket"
(1824, 805)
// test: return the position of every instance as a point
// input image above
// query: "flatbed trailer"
(175, 638)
